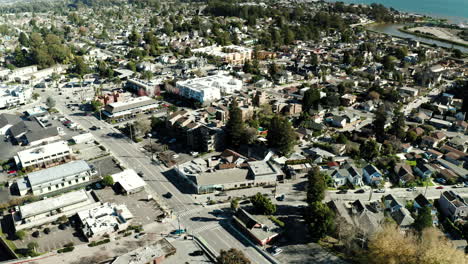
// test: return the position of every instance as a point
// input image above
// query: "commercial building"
(104, 219)
(14, 95)
(130, 107)
(141, 87)
(154, 253)
(56, 178)
(83, 138)
(50, 209)
(210, 88)
(128, 181)
(230, 54)
(44, 156)
(207, 176)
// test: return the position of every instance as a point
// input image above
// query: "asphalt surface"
(218, 233)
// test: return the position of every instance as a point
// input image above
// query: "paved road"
(217, 232)
(432, 193)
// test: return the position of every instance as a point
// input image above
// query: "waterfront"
(392, 29)
(456, 11)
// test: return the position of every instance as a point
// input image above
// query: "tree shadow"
(300, 186)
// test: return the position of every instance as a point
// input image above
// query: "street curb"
(211, 254)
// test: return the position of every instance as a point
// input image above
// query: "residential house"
(404, 173)
(259, 228)
(372, 175)
(453, 205)
(397, 211)
(424, 171)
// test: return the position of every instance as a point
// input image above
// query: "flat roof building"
(210, 88)
(14, 95)
(154, 253)
(50, 209)
(44, 155)
(56, 178)
(130, 107)
(129, 181)
(231, 54)
(104, 219)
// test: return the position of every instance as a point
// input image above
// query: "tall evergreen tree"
(281, 135)
(311, 99)
(234, 126)
(316, 186)
(423, 219)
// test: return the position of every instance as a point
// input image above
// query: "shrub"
(97, 243)
(276, 221)
(64, 250)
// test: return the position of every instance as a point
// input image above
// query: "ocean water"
(456, 11)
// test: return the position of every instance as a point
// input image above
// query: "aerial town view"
(233, 132)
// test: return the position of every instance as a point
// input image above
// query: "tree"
(316, 186)
(20, 234)
(388, 62)
(320, 219)
(23, 39)
(311, 99)
(46, 230)
(263, 204)
(143, 126)
(32, 247)
(96, 105)
(108, 180)
(281, 135)
(457, 53)
(234, 126)
(380, 121)
(423, 220)
(234, 204)
(35, 96)
(50, 102)
(80, 67)
(341, 139)
(390, 246)
(232, 256)
(398, 126)
(369, 150)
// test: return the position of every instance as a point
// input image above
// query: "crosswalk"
(211, 226)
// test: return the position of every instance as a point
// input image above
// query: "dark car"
(168, 195)
(360, 191)
(197, 253)
(342, 192)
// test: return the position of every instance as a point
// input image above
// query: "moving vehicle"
(439, 187)
(168, 195)
(178, 232)
(280, 198)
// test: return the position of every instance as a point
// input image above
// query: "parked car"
(439, 187)
(178, 232)
(168, 195)
(342, 191)
(360, 191)
(276, 250)
(280, 198)
(197, 253)
(380, 191)
(412, 189)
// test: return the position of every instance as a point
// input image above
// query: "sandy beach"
(443, 33)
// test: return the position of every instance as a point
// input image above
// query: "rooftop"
(129, 180)
(41, 151)
(50, 204)
(261, 168)
(147, 254)
(58, 172)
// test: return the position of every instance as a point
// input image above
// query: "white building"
(50, 209)
(104, 219)
(56, 178)
(209, 88)
(45, 155)
(132, 106)
(14, 95)
(83, 138)
(129, 181)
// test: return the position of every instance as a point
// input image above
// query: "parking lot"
(144, 212)
(105, 166)
(88, 151)
(56, 239)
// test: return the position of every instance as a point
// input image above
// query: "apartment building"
(208, 89)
